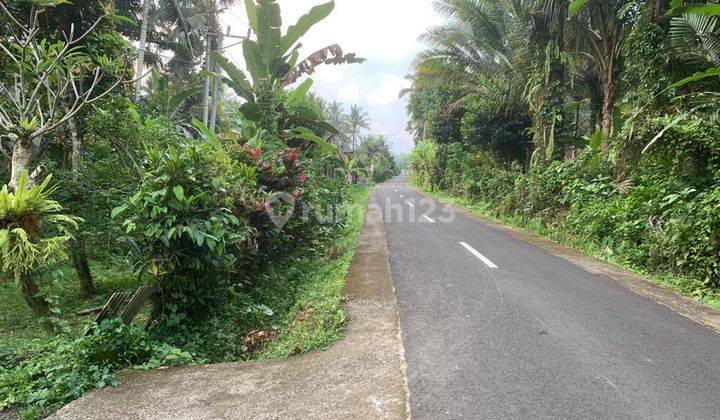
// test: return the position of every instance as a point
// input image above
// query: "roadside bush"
(69, 368)
(423, 163)
(654, 221)
(690, 151)
(183, 230)
(693, 226)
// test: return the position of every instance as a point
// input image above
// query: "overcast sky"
(385, 32)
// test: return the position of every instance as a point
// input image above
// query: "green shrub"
(69, 368)
(183, 229)
(654, 222)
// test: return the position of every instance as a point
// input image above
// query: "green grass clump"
(305, 291)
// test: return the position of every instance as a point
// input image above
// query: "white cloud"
(387, 91)
(372, 28)
(349, 93)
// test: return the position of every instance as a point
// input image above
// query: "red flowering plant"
(277, 189)
(291, 155)
(255, 153)
(279, 172)
(264, 207)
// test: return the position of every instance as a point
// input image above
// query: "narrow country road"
(497, 328)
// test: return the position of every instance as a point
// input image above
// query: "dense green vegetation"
(241, 211)
(596, 122)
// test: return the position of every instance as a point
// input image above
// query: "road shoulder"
(686, 306)
(361, 376)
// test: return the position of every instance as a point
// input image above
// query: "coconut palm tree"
(498, 52)
(335, 116)
(599, 29)
(480, 37)
(181, 27)
(358, 120)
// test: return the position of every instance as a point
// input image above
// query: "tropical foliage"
(594, 122)
(33, 236)
(209, 212)
(374, 158)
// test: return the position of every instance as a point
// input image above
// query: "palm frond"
(695, 37)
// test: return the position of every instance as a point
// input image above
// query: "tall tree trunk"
(23, 152)
(79, 256)
(206, 89)
(75, 149)
(659, 8)
(29, 291)
(610, 91)
(609, 72)
(593, 120)
(217, 88)
(141, 48)
(80, 261)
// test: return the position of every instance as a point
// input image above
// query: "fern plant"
(33, 234)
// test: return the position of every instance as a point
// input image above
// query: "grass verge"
(305, 291)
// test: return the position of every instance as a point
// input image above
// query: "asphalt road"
(496, 328)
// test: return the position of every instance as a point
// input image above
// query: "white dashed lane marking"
(480, 256)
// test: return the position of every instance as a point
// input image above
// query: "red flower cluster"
(302, 178)
(255, 153)
(264, 206)
(292, 155)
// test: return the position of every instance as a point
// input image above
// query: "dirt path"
(361, 376)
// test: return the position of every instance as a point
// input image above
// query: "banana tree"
(271, 60)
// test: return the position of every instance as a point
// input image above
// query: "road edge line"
(372, 202)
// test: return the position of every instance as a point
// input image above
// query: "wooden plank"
(89, 311)
(104, 312)
(124, 304)
(133, 307)
(121, 302)
(112, 307)
(107, 308)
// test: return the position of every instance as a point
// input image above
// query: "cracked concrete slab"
(361, 376)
